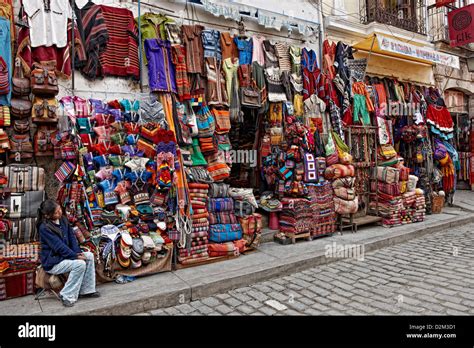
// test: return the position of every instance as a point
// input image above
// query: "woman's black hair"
(47, 208)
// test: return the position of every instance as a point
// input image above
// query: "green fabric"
(196, 155)
(152, 26)
(360, 108)
(224, 147)
(340, 143)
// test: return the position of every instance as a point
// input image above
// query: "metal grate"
(405, 14)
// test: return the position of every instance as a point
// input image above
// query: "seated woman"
(60, 253)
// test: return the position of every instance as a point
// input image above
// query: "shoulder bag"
(21, 84)
(44, 82)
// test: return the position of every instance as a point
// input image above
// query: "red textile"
(121, 55)
(440, 117)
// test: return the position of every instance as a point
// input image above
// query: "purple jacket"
(161, 73)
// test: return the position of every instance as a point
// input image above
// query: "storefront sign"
(424, 53)
(440, 3)
(461, 26)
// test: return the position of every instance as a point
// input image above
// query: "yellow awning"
(390, 46)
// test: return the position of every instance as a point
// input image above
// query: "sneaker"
(66, 303)
(92, 294)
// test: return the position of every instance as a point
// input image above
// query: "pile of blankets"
(389, 208)
(322, 204)
(420, 206)
(296, 216)
(198, 250)
(224, 225)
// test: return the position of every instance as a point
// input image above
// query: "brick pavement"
(432, 275)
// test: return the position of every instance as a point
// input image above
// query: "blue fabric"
(55, 248)
(161, 72)
(221, 233)
(211, 44)
(245, 48)
(6, 53)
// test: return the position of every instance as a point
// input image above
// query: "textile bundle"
(200, 226)
(297, 216)
(322, 205)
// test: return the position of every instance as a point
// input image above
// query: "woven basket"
(437, 204)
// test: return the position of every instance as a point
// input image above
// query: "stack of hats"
(296, 216)
(137, 252)
(197, 248)
(125, 251)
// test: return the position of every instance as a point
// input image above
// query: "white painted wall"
(117, 88)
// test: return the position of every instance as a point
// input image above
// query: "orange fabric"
(360, 88)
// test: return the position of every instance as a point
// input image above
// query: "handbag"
(4, 77)
(21, 126)
(43, 141)
(21, 85)
(23, 205)
(225, 233)
(222, 118)
(22, 178)
(65, 171)
(21, 147)
(44, 82)
(21, 108)
(250, 96)
(205, 122)
(5, 119)
(45, 110)
(4, 141)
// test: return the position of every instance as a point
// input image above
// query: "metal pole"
(140, 48)
(73, 46)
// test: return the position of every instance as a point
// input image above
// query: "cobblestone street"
(432, 275)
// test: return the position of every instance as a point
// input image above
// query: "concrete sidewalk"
(271, 260)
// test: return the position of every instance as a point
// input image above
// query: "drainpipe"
(321, 32)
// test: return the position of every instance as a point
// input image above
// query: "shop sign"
(424, 53)
(461, 26)
(440, 3)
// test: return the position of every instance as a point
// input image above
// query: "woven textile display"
(322, 205)
(297, 216)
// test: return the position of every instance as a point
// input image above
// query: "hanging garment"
(216, 86)
(230, 70)
(360, 108)
(120, 58)
(439, 118)
(178, 56)
(228, 46)
(211, 44)
(295, 56)
(245, 49)
(329, 57)
(94, 35)
(194, 50)
(6, 54)
(153, 26)
(6, 11)
(54, 58)
(271, 58)
(47, 21)
(276, 90)
(314, 109)
(161, 72)
(257, 50)
(283, 54)
(312, 83)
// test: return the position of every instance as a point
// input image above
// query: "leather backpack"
(21, 84)
(44, 82)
